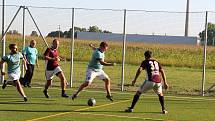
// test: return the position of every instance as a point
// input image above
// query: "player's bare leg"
(20, 89)
(47, 85)
(107, 87)
(83, 85)
(63, 84)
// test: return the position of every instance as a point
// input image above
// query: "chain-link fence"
(182, 63)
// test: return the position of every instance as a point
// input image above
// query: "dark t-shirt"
(51, 65)
(152, 68)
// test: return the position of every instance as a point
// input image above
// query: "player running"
(13, 70)
(94, 70)
(53, 68)
(152, 81)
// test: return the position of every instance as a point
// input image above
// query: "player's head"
(13, 48)
(103, 46)
(148, 54)
(33, 43)
(55, 44)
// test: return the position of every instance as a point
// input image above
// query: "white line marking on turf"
(35, 119)
(118, 116)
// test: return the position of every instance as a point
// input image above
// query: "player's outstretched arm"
(92, 46)
(1, 65)
(106, 63)
(137, 75)
(166, 86)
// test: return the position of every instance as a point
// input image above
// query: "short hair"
(103, 44)
(12, 46)
(148, 54)
(55, 40)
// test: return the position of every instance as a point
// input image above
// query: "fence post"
(72, 48)
(23, 38)
(3, 40)
(205, 52)
(123, 55)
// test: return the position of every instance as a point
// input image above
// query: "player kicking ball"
(152, 81)
(13, 62)
(95, 70)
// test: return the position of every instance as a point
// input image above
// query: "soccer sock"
(63, 91)
(161, 99)
(135, 99)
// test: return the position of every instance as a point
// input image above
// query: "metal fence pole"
(37, 27)
(23, 37)
(123, 55)
(3, 40)
(72, 47)
(205, 52)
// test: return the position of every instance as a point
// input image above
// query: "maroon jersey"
(51, 65)
(152, 68)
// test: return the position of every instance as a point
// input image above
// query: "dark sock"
(161, 99)
(63, 92)
(135, 99)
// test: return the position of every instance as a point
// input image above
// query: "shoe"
(25, 85)
(25, 99)
(46, 94)
(74, 96)
(64, 95)
(4, 84)
(109, 97)
(129, 110)
(164, 111)
(29, 85)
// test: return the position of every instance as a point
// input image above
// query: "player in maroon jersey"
(152, 81)
(52, 68)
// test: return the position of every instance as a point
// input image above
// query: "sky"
(137, 22)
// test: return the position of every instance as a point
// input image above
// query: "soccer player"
(13, 63)
(31, 55)
(53, 68)
(152, 81)
(95, 70)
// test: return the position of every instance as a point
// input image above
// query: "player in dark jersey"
(52, 68)
(152, 81)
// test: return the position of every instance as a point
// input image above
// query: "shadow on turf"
(56, 111)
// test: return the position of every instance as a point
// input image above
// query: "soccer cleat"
(74, 96)
(25, 99)
(46, 94)
(164, 111)
(4, 84)
(109, 97)
(64, 95)
(129, 110)
(29, 85)
(210, 91)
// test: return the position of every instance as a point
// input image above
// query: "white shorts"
(13, 76)
(92, 74)
(147, 85)
(50, 73)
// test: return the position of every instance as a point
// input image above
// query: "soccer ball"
(91, 102)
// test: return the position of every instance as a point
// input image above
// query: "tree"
(34, 33)
(94, 29)
(210, 34)
(14, 32)
(55, 34)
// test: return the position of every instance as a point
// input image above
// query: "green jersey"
(31, 54)
(13, 62)
(94, 62)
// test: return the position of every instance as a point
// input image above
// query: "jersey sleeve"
(47, 52)
(5, 58)
(143, 64)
